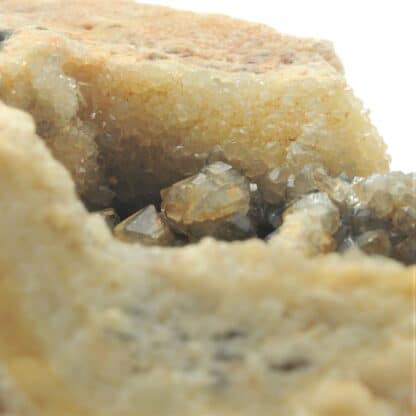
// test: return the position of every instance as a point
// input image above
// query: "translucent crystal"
(273, 184)
(343, 233)
(338, 189)
(384, 192)
(374, 242)
(346, 244)
(405, 251)
(382, 203)
(364, 219)
(404, 220)
(110, 216)
(145, 226)
(305, 181)
(273, 217)
(215, 202)
(299, 155)
(257, 211)
(320, 206)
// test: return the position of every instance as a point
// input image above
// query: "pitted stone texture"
(92, 326)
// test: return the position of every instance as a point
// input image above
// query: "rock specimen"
(107, 328)
(132, 98)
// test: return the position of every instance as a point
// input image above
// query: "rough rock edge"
(75, 278)
(74, 81)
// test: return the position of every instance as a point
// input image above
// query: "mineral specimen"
(215, 202)
(134, 100)
(404, 220)
(374, 242)
(145, 226)
(363, 213)
(319, 206)
(273, 185)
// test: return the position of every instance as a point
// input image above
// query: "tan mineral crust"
(130, 99)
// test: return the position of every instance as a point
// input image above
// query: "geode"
(132, 99)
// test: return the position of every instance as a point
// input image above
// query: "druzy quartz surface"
(374, 214)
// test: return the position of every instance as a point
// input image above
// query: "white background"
(376, 40)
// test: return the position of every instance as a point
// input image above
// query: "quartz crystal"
(319, 206)
(215, 202)
(376, 214)
(404, 220)
(305, 180)
(364, 219)
(145, 226)
(385, 192)
(405, 251)
(374, 242)
(273, 184)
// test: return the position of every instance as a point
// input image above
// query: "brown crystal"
(364, 219)
(374, 242)
(145, 226)
(404, 220)
(405, 251)
(215, 202)
(273, 184)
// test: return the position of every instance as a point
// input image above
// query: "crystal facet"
(145, 226)
(215, 202)
(374, 242)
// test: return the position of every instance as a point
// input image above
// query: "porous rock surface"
(132, 98)
(93, 326)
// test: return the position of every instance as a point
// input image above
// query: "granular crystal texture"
(132, 98)
(93, 326)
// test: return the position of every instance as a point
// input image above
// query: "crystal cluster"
(376, 214)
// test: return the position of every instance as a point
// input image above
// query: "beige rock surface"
(132, 98)
(92, 326)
